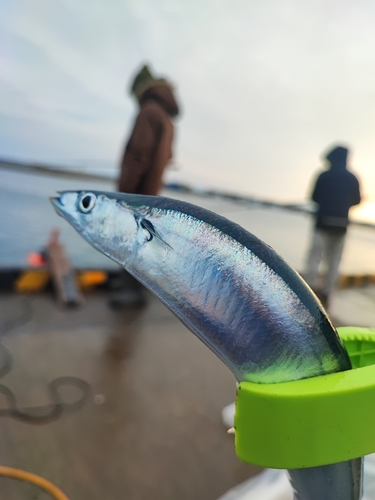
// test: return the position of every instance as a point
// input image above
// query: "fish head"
(108, 223)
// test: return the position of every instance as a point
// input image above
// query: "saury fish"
(230, 289)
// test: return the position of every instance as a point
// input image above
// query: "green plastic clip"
(311, 422)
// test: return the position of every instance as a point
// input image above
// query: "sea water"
(27, 218)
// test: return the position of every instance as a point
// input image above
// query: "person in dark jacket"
(146, 154)
(335, 191)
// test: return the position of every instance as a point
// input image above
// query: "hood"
(163, 94)
(337, 157)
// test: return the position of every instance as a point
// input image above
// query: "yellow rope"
(34, 479)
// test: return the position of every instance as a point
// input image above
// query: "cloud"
(264, 86)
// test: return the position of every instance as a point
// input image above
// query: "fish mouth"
(57, 205)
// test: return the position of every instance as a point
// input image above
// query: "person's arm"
(356, 192)
(317, 191)
(138, 152)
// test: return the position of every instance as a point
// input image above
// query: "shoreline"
(36, 168)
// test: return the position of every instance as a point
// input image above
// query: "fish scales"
(253, 298)
(232, 290)
(229, 288)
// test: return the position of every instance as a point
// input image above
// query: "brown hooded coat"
(150, 145)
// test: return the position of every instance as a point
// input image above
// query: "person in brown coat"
(147, 153)
(149, 148)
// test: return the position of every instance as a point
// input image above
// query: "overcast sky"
(265, 86)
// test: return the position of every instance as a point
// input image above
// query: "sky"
(266, 87)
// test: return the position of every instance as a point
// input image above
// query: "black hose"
(36, 414)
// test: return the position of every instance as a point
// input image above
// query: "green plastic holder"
(315, 421)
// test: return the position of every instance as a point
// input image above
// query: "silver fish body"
(228, 287)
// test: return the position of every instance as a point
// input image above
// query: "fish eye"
(87, 202)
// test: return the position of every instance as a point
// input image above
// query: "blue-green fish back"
(231, 289)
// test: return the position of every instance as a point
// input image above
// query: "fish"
(232, 290)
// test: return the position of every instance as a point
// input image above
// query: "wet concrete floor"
(151, 427)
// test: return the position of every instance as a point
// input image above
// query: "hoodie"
(150, 145)
(335, 191)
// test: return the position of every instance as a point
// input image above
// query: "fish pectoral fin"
(150, 228)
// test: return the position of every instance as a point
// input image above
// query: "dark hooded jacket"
(335, 191)
(150, 145)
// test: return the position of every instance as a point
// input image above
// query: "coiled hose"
(29, 477)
